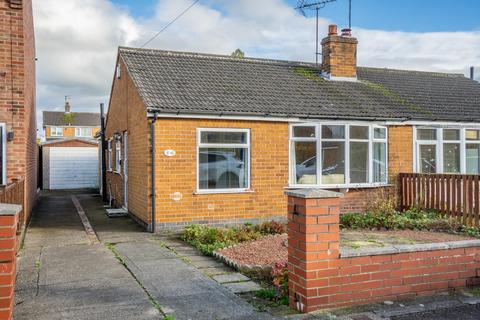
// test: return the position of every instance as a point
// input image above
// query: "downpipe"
(153, 226)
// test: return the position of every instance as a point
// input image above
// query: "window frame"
(109, 155)
(118, 155)
(80, 129)
(319, 143)
(246, 146)
(439, 143)
(56, 135)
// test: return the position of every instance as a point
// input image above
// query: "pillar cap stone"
(9, 209)
(313, 193)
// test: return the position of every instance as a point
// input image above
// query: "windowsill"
(202, 192)
(117, 172)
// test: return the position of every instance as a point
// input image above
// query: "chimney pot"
(67, 107)
(332, 30)
(346, 32)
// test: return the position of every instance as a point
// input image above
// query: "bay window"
(223, 160)
(447, 150)
(338, 155)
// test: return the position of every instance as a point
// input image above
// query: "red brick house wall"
(17, 94)
(128, 113)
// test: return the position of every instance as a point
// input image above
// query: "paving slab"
(230, 277)
(243, 287)
(183, 289)
(213, 271)
(61, 276)
(206, 263)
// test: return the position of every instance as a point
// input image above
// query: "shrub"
(272, 227)
(208, 239)
(279, 275)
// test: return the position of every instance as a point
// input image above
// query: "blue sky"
(389, 15)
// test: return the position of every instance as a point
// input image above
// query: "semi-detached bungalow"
(198, 138)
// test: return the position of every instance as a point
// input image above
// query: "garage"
(72, 165)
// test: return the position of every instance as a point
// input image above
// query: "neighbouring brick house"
(70, 153)
(198, 138)
(18, 132)
(68, 124)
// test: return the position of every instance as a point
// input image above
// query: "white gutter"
(226, 117)
(432, 123)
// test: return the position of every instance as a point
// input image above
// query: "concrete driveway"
(127, 274)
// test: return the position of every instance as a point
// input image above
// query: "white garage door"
(73, 168)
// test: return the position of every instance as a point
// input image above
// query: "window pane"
(451, 158)
(451, 134)
(428, 163)
(472, 135)
(359, 162)
(333, 132)
(427, 134)
(223, 168)
(379, 162)
(223, 137)
(305, 162)
(380, 133)
(358, 132)
(304, 132)
(472, 153)
(333, 162)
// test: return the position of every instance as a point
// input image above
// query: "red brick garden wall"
(320, 278)
(8, 262)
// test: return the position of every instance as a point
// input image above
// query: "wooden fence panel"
(14, 193)
(455, 195)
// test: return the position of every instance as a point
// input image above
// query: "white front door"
(125, 170)
(73, 167)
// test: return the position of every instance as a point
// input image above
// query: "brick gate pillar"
(9, 214)
(313, 245)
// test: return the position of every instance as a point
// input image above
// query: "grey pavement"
(181, 289)
(61, 276)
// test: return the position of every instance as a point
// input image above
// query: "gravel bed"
(265, 251)
(271, 249)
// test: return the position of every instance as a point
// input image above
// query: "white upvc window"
(448, 149)
(83, 132)
(118, 155)
(338, 155)
(56, 131)
(223, 160)
(109, 155)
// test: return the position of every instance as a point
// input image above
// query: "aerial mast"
(303, 6)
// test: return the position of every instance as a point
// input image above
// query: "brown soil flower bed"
(271, 249)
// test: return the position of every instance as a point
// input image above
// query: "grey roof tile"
(179, 82)
(56, 118)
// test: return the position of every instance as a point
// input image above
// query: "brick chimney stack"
(67, 106)
(339, 54)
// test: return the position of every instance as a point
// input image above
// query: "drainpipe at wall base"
(152, 226)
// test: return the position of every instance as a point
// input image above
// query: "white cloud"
(77, 41)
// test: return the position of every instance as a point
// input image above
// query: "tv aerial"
(314, 5)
